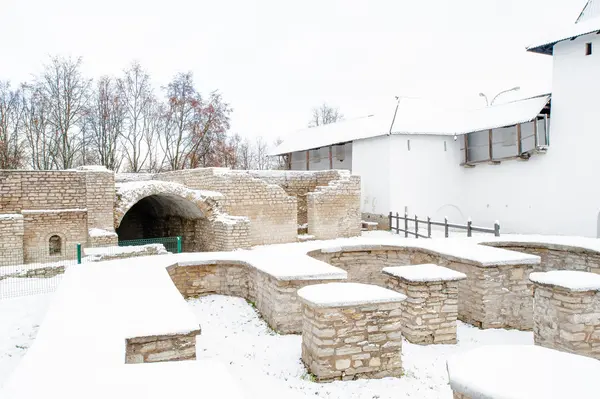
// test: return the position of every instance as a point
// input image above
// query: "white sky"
(274, 60)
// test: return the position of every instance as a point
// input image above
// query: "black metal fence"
(426, 233)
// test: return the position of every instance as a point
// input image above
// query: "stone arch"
(155, 209)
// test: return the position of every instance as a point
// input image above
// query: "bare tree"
(282, 161)
(245, 155)
(136, 90)
(153, 126)
(324, 115)
(262, 159)
(104, 122)
(66, 92)
(11, 109)
(192, 126)
(35, 126)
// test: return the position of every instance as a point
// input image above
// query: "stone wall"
(39, 226)
(383, 221)
(276, 300)
(100, 197)
(566, 319)
(161, 348)
(498, 296)
(343, 343)
(555, 256)
(11, 239)
(272, 213)
(334, 210)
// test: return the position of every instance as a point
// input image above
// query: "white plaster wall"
(371, 161)
(558, 192)
(426, 178)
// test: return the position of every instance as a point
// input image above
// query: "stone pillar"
(430, 311)
(566, 311)
(11, 239)
(351, 330)
(100, 197)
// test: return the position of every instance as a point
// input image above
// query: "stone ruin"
(212, 209)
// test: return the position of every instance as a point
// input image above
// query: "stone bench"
(566, 311)
(522, 372)
(351, 330)
(430, 311)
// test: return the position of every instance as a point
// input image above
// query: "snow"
(414, 117)
(130, 249)
(347, 294)
(266, 365)
(94, 168)
(523, 372)
(230, 220)
(425, 272)
(36, 211)
(10, 216)
(560, 243)
(565, 33)
(94, 232)
(571, 280)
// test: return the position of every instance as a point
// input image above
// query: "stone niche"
(430, 311)
(351, 331)
(566, 311)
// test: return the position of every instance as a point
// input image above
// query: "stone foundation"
(161, 348)
(352, 338)
(275, 299)
(567, 312)
(492, 296)
(431, 308)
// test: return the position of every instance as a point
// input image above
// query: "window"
(54, 245)
(588, 48)
(340, 152)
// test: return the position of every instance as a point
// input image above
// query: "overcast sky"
(274, 60)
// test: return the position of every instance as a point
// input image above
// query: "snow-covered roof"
(591, 10)
(415, 116)
(545, 44)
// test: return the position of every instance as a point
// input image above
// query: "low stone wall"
(430, 311)
(11, 239)
(344, 340)
(161, 348)
(275, 299)
(555, 256)
(567, 312)
(492, 296)
(102, 238)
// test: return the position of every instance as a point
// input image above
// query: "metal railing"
(429, 223)
(172, 244)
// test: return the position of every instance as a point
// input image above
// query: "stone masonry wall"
(276, 300)
(334, 210)
(556, 257)
(11, 239)
(272, 213)
(457, 395)
(490, 297)
(100, 198)
(567, 320)
(343, 343)
(430, 310)
(161, 348)
(39, 226)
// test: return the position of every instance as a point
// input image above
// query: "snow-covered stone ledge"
(102, 238)
(522, 372)
(270, 282)
(497, 292)
(429, 314)
(351, 330)
(566, 312)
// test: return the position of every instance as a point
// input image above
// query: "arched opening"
(54, 245)
(164, 215)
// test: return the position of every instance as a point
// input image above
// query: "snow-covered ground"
(268, 365)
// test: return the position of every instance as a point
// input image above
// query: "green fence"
(172, 244)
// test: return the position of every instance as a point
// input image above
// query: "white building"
(532, 175)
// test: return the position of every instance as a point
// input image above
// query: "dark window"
(54, 245)
(588, 48)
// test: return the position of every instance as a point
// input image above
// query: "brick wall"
(11, 239)
(39, 226)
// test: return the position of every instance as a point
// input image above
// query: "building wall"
(319, 158)
(11, 239)
(371, 162)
